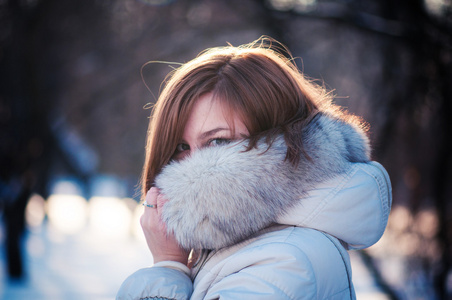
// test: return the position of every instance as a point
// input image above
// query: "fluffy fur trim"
(221, 195)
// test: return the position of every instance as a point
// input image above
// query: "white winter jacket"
(270, 230)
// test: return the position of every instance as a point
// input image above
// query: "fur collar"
(221, 195)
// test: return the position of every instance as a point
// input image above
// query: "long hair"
(255, 81)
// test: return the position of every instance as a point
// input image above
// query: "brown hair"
(263, 86)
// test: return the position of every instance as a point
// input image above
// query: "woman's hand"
(163, 246)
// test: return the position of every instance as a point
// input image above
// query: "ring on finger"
(145, 203)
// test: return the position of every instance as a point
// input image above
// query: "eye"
(182, 150)
(182, 147)
(218, 142)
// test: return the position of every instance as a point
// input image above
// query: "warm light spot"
(382, 246)
(408, 243)
(109, 217)
(426, 223)
(437, 7)
(67, 186)
(400, 219)
(305, 5)
(35, 211)
(67, 213)
(282, 5)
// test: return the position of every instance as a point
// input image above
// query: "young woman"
(253, 171)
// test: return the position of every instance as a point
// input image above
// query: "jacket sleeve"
(165, 280)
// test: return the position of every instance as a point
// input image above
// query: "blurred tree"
(24, 136)
(28, 145)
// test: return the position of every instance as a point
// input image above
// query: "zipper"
(202, 260)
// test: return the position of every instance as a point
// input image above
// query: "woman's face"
(207, 126)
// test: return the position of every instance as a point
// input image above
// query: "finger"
(149, 218)
(151, 195)
(150, 201)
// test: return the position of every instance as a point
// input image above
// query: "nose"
(193, 149)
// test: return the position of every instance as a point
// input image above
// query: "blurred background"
(74, 113)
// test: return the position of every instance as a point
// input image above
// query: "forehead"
(205, 114)
(208, 114)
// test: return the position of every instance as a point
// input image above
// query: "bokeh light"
(67, 213)
(35, 211)
(66, 207)
(109, 217)
(437, 7)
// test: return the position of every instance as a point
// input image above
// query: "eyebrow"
(212, 132)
